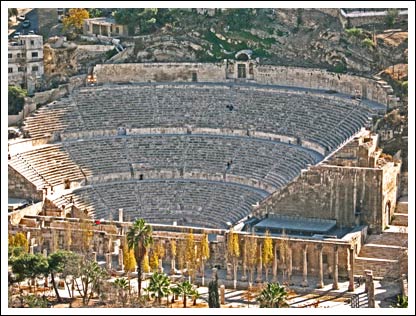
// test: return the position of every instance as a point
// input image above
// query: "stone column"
(121, 259)
(120, 215)
(259, 266)
(244, 268)
(335, 276)
(160, 268)
(222, 294)
(229, 271)
(31, 250)
(108, 260)
(214, 273)
(94, 256)
(289, 269)
(45, 253)
(172, 265)
(320, 284)
(369, 284)
(274, 270)
(305, 266)
(351, 269)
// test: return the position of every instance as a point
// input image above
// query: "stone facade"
(159, 72)
(361, 191)
(20, 187)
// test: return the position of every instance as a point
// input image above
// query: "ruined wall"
(20, 187)
(57, 93)
(159, 72)
(391, 186)
(367, 18)
(331, 192)
(320, 79)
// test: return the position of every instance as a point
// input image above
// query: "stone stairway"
(401, 213)
(384, 253)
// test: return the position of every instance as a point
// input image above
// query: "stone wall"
(331, 192)
(262, 74)
(27, 109)
(320, 79)
(357, 185)
(159, 72)
(20, 187)
(367, 18)
(57, 93)
(391, 181)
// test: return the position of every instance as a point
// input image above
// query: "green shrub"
(16, 96)
(357, 32)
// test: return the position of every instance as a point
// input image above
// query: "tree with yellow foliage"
(251, 255)
(203, 254)
(181, 255)
(75, 19)
(233, 251)
(129, 262)
(267, 253)
(154, 260)
(190, 255)
(146, 266)
(19, 240)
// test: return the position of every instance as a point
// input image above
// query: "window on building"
(194, 77)
(117, 30)
(20, 69)
(10, 55)
(10, 70)
(35, 68)
(32, 42)
(34, 54)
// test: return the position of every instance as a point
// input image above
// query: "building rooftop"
(102, 20)
(296, 224)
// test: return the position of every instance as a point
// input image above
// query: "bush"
(391, 17)
(16, 99)
(354, 32)
(367, 42)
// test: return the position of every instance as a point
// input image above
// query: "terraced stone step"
(394, 238)
(400, 219)
(381, 251)
(381, 268)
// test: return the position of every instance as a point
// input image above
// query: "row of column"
(288, 268)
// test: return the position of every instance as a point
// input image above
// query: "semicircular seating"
(187, 202)
(325, 119)
(191, 179)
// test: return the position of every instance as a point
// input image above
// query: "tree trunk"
(184, 301)
(203, 272)
(139, 277)
(55, 288)
(235, 273)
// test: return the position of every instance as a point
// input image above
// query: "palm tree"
(273, 295)
(122, 285)
(159, 285)
(185, 289)
(139, 237)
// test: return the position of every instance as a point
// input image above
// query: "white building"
(25, 62)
